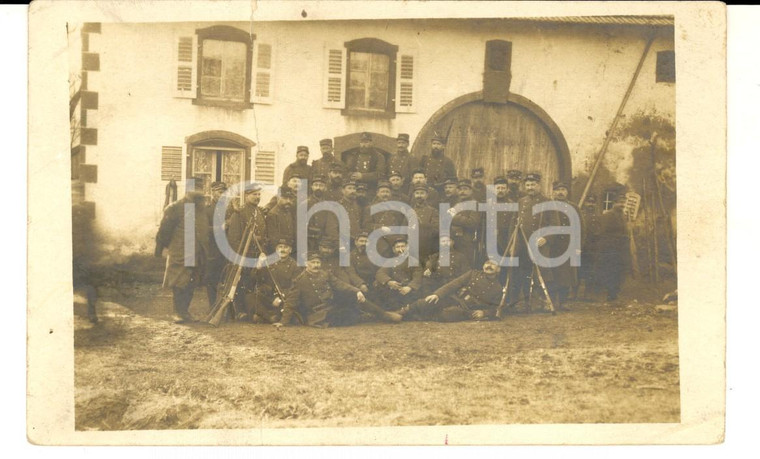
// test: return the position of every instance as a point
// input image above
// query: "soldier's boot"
(380, 313)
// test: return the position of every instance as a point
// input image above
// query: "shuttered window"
(406, 76)
(185, 63)
(263, 61)
(334, 78)
(171, 163)
(265, 166)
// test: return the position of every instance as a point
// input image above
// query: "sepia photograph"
(296, 219)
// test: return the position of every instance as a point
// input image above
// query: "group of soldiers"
(472, 286)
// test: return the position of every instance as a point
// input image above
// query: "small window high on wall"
(666, 67)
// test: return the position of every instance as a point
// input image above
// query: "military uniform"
(281, 223)
(317, 227)
(324, 165)
(236, 235)
(369, 163)
(301, 170)
(592, 229)
(385, 218)
(180, 278)
(283, 271)
(428, 221)
(404, 274)
(402, 163)
(354, 212)
(464, 230)
(438, 168)
(441, 275)
(613, 251)
(473, 290)
(478, 188)
(216, 261)
(433, 197)
(559, 279)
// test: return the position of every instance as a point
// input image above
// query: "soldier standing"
(317, 226)
(184, 270)
(354, 211)
(317, 294)
(401, 162)
(465, 224)
(514, 180)
(382, 220)
(249, 213)
(450, 194)
(300, 166)
(334, 190)
(271, 284)
(529, 224)
(475, 295)
(592, 228)
(367, 166)
(478, 184)
(562, 278)
(612, 249)
(216, 261)
(419, 178)
(281, 220)
(427, 219)
(436, 165)
(398, 187)
(323, 165)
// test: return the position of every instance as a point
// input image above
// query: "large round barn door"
(499, 137)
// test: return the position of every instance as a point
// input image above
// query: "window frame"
(372, 46)
(232, 34)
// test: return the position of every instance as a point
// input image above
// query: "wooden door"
(497, 137)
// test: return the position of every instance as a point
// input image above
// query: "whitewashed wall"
(577, 74)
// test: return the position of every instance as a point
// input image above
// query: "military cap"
(438, 137)
(219, 186)
(395, 174)
(514, 174)
(366, 136)
(500, 180)
(560, 184)
(324, 142)
(284, 241)
(362, 234)
(318, 178)
(419, 171)
(287, 194)
(399, 238)
(294, 174)
(477, 172)
(533, 177)
(336, 166)
(361, 186)
(349, 183)
(450, 181)
(314, 256)
(302, 148)
(383, 184)
(465, 183)
(328, 243)
(252, 187)
(404, 137)
(421, 187)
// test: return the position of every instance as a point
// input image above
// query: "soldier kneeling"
(475, 295)
(316, 294)
(271, 284)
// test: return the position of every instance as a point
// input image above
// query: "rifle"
(277, 290)
(232, 279)
(538, 271)
(511, 245)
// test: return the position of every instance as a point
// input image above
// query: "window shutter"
(186, 57)
(335, 77)
(171, 163)
(406, 72)
(265, 165)
(263, 76)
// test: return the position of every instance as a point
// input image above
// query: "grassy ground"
(595, 364)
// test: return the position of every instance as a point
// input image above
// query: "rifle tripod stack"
(232, 274)
(511, 247)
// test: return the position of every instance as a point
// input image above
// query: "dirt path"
(596, 364)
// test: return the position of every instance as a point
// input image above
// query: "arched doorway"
(219, 156)
(516, 135)
(346, 145)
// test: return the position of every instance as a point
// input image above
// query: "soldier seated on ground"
(399, 285)
(435, 275)
(326, 300)
(475, 295)
(271, 284)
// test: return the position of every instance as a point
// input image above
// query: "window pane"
(358, 80)
(377, 100)
(359, 61)
(223, 69)
(379, 63)
(356, 98)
